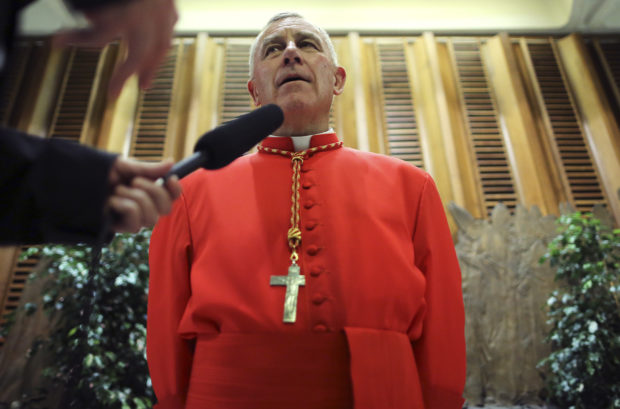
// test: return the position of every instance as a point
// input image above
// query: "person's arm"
(50, 190)
(146, 26)
(440, 352)
(62, 192)
(169, 356)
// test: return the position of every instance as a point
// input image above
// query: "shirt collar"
(300, 143)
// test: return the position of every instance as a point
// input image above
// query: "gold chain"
(294, 233)
(297, 159)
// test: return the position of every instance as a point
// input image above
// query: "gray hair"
(282, 16)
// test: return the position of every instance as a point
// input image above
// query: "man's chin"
(294, 103)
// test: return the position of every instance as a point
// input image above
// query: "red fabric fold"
(383, 370)
(171, 402)
(270, 371)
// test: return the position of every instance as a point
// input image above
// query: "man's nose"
(291, 54)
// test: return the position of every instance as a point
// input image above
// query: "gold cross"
(292, 281)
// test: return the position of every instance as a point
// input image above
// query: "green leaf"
(140, 404)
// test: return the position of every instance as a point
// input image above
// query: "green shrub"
(583, 370)
(110, 370)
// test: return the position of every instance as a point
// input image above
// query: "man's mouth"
(291, 79)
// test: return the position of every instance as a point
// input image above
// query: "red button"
(311, 225)
(312, 250)
(316, 271)
(318, 299)
(320, 328)
(307, 184)
(308, 204)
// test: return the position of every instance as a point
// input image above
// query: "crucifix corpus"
(292, 281)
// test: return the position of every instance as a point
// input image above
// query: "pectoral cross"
(292, 281)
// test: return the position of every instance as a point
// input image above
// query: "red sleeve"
(169, 356)
(440, 351)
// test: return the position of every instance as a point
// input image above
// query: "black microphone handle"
(188, 165)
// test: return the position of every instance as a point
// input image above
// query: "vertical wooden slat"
(98, 95)
(483, 127)
(149, 134)
(530, 172)
(207, 78)
(374, 97)
(344, 109)
(71, 111)
(600, 128)
(14, 75)
(357, 79)
(7, 263)
(608, 52)
(235, 98)
(402, 137)
(469, 177)
(14, 279)
(578, 174)
(119, 113)
(179, 105)
(436, 129)
(559, 183)
(41, 100)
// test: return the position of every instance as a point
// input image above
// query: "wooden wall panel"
(527, 60)
(562, 130)
(344, 105)
(358, 77)
(355, 115)
(235, 99)
(402, 138)
(530, 172)
(120, 113)
(41, 102)
(435, 125)
(601, 129)
(373, 96)
(608, 53)
(485, 136)
(468, 175)
(7, 263)
(74, 110)
(207, 74)
(14, 275)
(14, 76)
(182, 89)
(148, 140)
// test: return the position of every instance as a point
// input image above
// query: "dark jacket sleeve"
(88, 5)
(51, 190)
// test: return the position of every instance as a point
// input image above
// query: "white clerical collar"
(301, 143)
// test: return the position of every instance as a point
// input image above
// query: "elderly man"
(306, 275)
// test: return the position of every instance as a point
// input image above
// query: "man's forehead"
(290, 25)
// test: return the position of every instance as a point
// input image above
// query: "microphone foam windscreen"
(232, 139)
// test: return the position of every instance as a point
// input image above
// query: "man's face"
(292, 69)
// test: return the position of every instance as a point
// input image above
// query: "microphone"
(222, 145)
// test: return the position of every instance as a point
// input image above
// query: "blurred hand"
(145, 25)
(137, 198)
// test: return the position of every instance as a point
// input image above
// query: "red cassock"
(380, 319)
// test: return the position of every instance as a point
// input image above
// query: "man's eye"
(307, 43)
(271, 48)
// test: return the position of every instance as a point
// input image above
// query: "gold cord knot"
(294, 237)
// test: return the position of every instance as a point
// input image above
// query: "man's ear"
(253, 93)
(340, 77)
